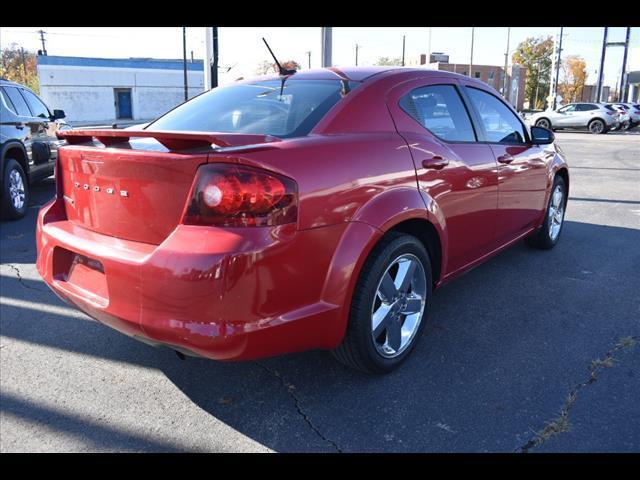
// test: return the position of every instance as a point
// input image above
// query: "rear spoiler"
(171, 140)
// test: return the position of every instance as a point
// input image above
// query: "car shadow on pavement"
(501, 347)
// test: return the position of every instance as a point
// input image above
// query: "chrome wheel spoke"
(414, 305)
(406, 270)
(387, 291)
(380, 319)
(394, 334)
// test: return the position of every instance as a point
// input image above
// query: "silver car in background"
(631, 109)
(595, 117)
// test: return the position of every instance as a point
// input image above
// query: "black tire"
(357, 349)
(542, 237)
(9, 210)
(543, 122)
(597, 126)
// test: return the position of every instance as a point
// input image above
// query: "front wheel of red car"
(389, 305)
(548, 234)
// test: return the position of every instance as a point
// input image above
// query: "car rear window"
(288, 108)
(610, 107)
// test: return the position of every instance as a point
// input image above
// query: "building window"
(477, 74)
(491, 76)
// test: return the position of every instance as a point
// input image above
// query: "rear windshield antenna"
(281, 69)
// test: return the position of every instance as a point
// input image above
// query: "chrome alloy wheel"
(16, 189)
(544, 123)
(398, 305)
(556, 212)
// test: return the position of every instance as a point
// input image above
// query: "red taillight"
(227, 195)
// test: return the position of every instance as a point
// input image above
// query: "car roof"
(4, 81)
(358, 74)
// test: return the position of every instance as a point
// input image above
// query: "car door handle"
(436, 162)
(506, 158)
(20, 126)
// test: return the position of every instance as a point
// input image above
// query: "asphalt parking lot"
(534, 351)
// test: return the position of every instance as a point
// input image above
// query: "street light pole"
(356, 54)
(327, 38)
(403, 43)
(184, 62)
(624, 89)
(555, 88)
(473, 30)
(601, 70)
(506, 64)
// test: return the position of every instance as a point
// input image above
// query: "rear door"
(456, 171)
(522, 167)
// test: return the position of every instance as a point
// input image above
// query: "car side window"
(439, 109)
(38, 108)
(6, 101)
(18, 102)
(567, 108)
(500, 123)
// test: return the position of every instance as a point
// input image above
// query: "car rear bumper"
(226, 294)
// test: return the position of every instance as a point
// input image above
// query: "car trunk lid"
(135, 190)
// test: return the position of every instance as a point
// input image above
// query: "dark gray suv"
(28, 144)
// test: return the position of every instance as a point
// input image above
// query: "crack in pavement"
(21, 280)
(561, 423)
(291, 391)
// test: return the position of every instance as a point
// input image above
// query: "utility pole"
(309, 57)
(44, 49)
(326, 39)
(184, 63)
(473, 31)
(211, 58)
(403, 43)
(428, 59)
(624, 85)
(555, 88)
(506, 64)
(601, 70)
(356, 54)
(214, 67)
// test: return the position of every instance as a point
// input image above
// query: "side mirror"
(541, 136)
(58, 114)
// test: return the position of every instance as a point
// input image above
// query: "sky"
(241, 48)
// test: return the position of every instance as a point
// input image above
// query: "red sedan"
(315, 210)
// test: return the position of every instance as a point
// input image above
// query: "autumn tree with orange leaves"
(574, 78)
(268, 67)
(19, 65)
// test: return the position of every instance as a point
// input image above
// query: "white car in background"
(595, 117)
(632, 110)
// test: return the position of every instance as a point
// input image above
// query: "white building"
(110, 90)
